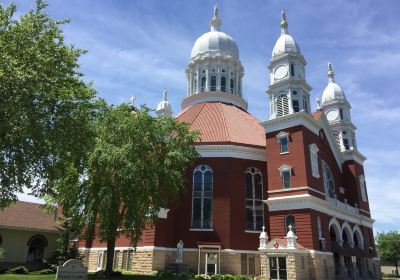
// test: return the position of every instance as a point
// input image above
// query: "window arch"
(213, 85)
(290, 220)
(358, 237)
(282, 105)
(202, 197)
(194, 85)
(203, 84)
(254, 197)
(334, 232)
(223, 84)
(347, 237)
(36, 246)
(328, 180)
(292, 69)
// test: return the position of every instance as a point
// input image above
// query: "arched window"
(36, 246)
(292, 69)
(223, 84)
(203, 84)
(202, 197)
(290, 220)
(232, 85)
(213, 86)
(319, 224)
(334, 232)
(328, 180)
(254, 197)
(358, 238)
(194, 85)
(363, 190)
(282, 105)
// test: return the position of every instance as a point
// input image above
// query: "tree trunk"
(110, 256)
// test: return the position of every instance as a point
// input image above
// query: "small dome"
(164, 108)
(215, 43)
(332, 90)
(285, 43)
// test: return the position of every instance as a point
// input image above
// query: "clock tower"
(288, 91)
(337, 111)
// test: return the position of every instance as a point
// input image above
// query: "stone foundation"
(148, 260)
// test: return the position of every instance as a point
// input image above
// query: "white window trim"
(281, 135)
(363, 189)
(286, 168)
(256, 171)
(314, 163)
(208, 168)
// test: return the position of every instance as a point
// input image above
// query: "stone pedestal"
(178, 267)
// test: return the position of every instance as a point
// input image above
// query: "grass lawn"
(53, 277)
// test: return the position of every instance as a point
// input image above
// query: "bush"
(242, 277)
(200, 277)
(166, 275)
(217, 277)
(43, 271)
(184, 276)
(18, 270)
(228, 277)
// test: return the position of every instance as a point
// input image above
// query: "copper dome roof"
(221, 123)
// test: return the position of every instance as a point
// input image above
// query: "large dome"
(215, 43)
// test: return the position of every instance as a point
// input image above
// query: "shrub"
(183, 276)
(166, 275)
(18, 270)
(200, 277)
(217, 277)
(242, 277)
(228, 277)
(43, 271)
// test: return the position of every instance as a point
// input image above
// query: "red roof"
(316, 115)
(221, 123)
(27, 215)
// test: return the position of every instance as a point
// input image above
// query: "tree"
(136, 166)
(389, 247)
(46, 107)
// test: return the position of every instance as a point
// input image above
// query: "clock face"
(280, 72)
(332, 115)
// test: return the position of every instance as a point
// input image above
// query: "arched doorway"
(36, 246)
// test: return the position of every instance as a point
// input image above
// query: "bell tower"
(288, 91)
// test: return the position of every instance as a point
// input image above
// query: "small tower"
(164, 108)
(291, 238)
(263, 239)
(337, 111)
(288, 90)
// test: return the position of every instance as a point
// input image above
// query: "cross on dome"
(165, 93)
(284, 23)
(215, 22)
(132, 100)
(331, 75)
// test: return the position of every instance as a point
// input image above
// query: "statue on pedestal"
(179, 252)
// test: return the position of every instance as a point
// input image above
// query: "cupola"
(164, 108)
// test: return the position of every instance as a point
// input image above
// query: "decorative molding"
(157, 248)
(233, 151)
(163, 213)
(214, 96)
(201, 229)
(307, 201)
(31, 229)
(297, 189)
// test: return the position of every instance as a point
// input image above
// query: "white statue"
(179, 252)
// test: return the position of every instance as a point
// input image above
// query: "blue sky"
(140, 47)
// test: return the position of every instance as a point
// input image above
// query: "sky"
(140, 47)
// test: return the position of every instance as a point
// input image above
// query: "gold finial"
(331, 75)
(284, 23)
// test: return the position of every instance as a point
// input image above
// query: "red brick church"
(285, 198)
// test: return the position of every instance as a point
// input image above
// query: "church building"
(285, 198)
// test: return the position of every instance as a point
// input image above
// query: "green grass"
(53, 277)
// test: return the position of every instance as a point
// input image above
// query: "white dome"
(164, 108)
(333, 92)
(285, 44)
(215, 43)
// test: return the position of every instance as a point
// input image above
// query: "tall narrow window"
(341, 113)
(305, 107)
(296, 106)
(292, 69)
(346, 144)
(290, 221)
(232, 85)
(286, 172)
(213, 86)
(223, 84)
(283, 139)
(254, 197)
(202, 197)
(282, 105)
(328, 180)
(314, 159)
(203, 84)
(363, 188)
(194, 85)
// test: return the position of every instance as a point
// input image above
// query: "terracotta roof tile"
(316, 115)
(223, 123)
(27, 215)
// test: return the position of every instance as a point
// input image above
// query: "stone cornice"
(233, 151)
(282, 84)
(307, 201)
(278, 57)
(214, 96)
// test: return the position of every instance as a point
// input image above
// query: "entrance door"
(211, 263)
(277, 268)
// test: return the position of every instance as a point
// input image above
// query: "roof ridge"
(198, 113)
(228, 136)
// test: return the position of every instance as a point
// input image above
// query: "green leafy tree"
(136, 166)
(389, 247)
(46, 107)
